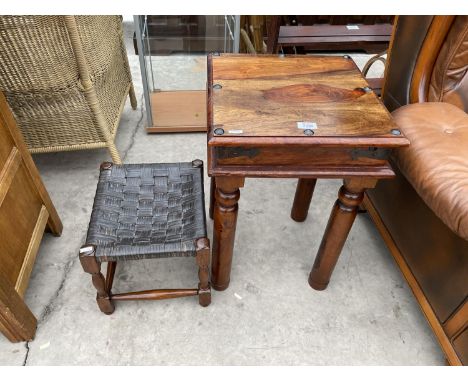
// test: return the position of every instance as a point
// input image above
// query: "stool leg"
(93, 267)
(110, 272)
(203, 261)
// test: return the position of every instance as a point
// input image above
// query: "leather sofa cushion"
(436, 162)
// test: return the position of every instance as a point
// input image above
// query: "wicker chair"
(66, 79)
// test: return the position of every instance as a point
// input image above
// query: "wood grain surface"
(266, 96)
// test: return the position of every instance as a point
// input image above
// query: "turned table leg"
(304, 191)
(93, 267)
(225, 218)
(339, 224)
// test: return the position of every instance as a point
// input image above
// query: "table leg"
(212, 196)
(304, 191)
(339, 224)
(225, 218)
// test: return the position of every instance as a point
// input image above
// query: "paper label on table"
(351, 27)
(306, 125)
(235, 131)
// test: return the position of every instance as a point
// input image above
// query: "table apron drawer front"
(304, 156)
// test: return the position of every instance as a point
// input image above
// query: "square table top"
(256, 99)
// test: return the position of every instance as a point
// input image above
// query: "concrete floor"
(268, 316)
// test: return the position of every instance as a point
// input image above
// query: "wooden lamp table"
(304, 117)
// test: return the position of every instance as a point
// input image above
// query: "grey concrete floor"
(268, 316)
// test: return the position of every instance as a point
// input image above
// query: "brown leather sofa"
(423, 213)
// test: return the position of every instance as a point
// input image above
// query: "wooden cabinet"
(25, 212)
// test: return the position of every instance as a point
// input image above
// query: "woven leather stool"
(144, 211)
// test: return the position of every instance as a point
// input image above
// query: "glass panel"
(173, 54)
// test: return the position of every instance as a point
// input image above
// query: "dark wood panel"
(308, 41)
(388, 236)
(435, 255)
(306, 156)
(348, 19)
(330, 172)
(368, 31)
(289, 161)
(302, 34)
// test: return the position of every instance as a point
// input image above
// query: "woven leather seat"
(145, 211)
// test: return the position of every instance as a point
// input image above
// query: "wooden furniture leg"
(225, 218)
(203, 261)
(93, 267)
(304, 191)
(339, 224)
(212, 196)
(17, 322)
(111, 265)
